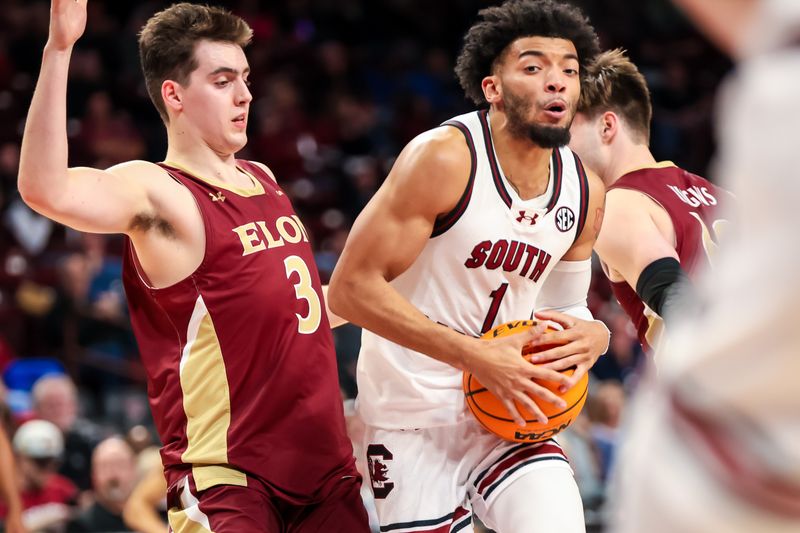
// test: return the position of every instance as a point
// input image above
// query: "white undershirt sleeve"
(565, 290)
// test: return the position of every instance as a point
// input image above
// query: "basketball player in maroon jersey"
(661, 222)
(224, 296)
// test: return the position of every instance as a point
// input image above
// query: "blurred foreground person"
(724, 419)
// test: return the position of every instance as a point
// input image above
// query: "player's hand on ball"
(579, 344)
(67, 23)
(500, 367)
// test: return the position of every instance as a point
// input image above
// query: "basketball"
(493, 415)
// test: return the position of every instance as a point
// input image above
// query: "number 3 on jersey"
(303, 290)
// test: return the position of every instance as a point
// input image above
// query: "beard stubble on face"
(517, 108)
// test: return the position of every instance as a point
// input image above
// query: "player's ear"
(171, 93)
(491, 89)
(609, 126)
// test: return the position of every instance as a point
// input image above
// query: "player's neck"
(634, 157)
(200, 159)
(525, 164)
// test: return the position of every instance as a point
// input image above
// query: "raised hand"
(498, 364)
(579, 344)
(67, 23)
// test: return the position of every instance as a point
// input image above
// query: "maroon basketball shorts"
(235, 509)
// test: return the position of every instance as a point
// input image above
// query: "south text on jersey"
(512, 256)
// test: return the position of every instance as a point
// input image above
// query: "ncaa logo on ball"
(565, 219)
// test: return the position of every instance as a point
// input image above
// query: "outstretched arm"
(386, 239)
(83, 198)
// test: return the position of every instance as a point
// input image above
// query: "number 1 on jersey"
(303, 289)
(497, 298)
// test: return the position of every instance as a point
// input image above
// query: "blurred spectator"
(55, 399)
(141, 440)
(47, 497)
(109, 135)
(113, 479)
(24, 227)
(605, 406)
(624, 358)
(579, 448)
(87, 323)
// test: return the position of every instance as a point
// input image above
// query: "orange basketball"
(493, 415)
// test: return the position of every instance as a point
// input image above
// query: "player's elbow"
(337, 294)
(46, 198)
(34, 195)
(346, 292)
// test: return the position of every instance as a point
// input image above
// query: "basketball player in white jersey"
(482, 221)
(714, 447)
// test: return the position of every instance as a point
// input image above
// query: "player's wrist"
(54, 49)
(607, 332)
(467, 353)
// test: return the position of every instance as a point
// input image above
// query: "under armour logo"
(527, 218)
(279, 192)
(219, 197)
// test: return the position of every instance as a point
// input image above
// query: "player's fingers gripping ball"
(493, 415)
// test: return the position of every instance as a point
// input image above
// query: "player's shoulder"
(436, 160)
(137, 168)
(442, 148)
(629, 204)
(149, 174)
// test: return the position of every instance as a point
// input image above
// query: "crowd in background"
(339, 87)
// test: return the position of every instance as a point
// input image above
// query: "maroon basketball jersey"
(242, 376)
(693, 204)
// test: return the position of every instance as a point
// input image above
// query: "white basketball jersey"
(483, 265)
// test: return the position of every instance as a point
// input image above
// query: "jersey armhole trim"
(558, 170)
(487, 139)
(144, 279)
(584, 202)
(448, 220)
(257, 171)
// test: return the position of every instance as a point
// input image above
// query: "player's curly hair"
(167, 41)
(613, 83)
(501, 25)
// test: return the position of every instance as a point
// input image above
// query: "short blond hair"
(613, 83)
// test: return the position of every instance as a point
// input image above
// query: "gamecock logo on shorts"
(377, 455)
(565, 219)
